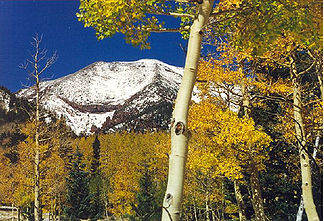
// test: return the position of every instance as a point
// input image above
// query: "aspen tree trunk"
(37, 153)
(195, 211)
(257, 201)
(239, 200)
(306, 172)
(319, 72)
(207, 206)
(320, 78)
(12, 212)
(237, 191)
(36, 70)
(300, 212)
(18, 214)
(179, 129)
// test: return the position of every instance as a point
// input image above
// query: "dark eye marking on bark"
(179, 128)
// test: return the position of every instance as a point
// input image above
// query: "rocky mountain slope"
(118, 95)
(12, 109)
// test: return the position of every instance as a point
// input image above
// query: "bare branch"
(174, 14)
(215, 14)
(49, 62)
(165, 30)
(275, 61)
(307, 69)
(43, 54)
(23, 65)
(33, 66)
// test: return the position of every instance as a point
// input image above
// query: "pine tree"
(78, 194)
(95, 163)
(96, 203)
(147, 207)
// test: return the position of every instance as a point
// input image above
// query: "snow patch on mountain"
(98, 92)
(4, 101)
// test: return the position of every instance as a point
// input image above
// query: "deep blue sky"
(77, 46)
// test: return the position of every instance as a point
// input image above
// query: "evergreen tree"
(78, 195)
(96, 203)
(147, 207)
(95, 163)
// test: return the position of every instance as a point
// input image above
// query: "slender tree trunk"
(239, 200)
(195, 211)
(300, 212)
(319, 72)
(245, 99)
(18, 214)
(257, 201)
(37, 209)
(207, 207)
(12, 212)
(106, 209)
(36, 71)
(301, 205)
(306, 172)
(320, 78)
(214, 215)
(179, 130)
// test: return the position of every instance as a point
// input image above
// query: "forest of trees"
(250, 149)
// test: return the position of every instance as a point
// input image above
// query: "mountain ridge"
(134, 95)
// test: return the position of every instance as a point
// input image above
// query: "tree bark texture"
(257, 201)
(306, 172)
(239, 200)
(179, 129)
(319, 73)
(207, 206)
(301, 205)
(37, 154)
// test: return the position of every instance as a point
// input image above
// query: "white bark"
(37, 212)
(179, 132)
(35, 71)
(239, 200)
(300, 210)
(306, 172)
(301, 205)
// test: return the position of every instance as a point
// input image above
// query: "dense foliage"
(253, 132)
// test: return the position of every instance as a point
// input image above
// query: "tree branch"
(168, 30)
(215, 14)
(174, 14)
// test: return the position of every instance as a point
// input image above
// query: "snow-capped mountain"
(115, 95)
(5, 100)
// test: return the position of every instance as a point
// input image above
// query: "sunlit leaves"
(123, 159)
(224, 140)
(19, 176)
(134, 19)
(257, 24)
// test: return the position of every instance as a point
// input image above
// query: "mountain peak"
(112, 95)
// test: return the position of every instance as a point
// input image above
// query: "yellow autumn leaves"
(123, 158)
(127, 17)
(17, 178)
(222, 141)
